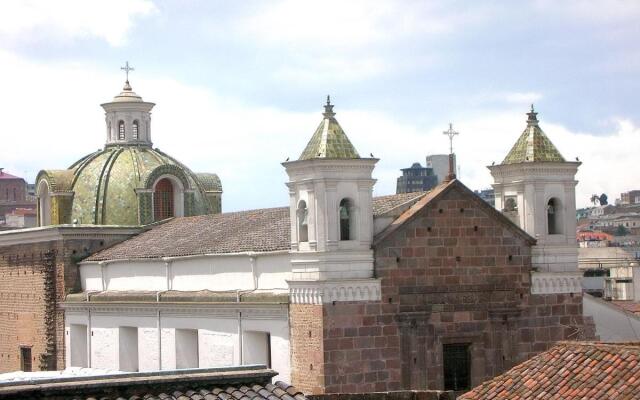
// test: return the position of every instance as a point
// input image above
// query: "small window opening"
(121, 130)
(303, 222)
(457, 366)
(346, 219)
(25, 359)
(135, 130)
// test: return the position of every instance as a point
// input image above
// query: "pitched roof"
(533, 145)
(329, 140)
(628, 305)
(438, 192)
(254, 230)
(233, 383)
(568, 371)
(260, 230)
(6, 175)
(384, 204)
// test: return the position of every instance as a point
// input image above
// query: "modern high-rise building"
(440, 165)
(416, 179)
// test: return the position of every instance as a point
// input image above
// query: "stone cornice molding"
(67, 232)
(323, 292)
(556, 282)
(181, 310)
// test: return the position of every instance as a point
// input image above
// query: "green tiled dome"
(109, 186)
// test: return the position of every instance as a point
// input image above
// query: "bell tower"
(535, 188)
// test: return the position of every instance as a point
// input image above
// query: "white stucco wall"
(218, 338)
(612, 323)
(217, 273)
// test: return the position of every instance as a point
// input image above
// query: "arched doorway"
(163, 200)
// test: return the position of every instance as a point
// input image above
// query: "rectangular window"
(78, 345)
(128, 348)
(186, 348)
(256, 348)
(25, 359)
(457, 366)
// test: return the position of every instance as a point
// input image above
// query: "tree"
(621, 231)
(595, 199)
(603, 199)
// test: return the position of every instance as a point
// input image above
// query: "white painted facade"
(171, 336)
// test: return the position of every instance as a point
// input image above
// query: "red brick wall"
(306, 338)
(453, 274)
(24, 314)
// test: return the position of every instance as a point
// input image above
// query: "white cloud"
(55, 119)
(107, 20)
(347, 41)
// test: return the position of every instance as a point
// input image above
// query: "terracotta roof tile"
(260, 230)
(570, 371)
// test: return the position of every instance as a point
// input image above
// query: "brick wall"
(307, 356)
(29, 312)
(454, 273)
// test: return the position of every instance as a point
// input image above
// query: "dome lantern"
(128, 117)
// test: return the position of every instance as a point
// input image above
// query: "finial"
(451, 133)
(532, 119)
(328, 108)
(127, 69)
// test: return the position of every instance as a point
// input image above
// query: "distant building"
(416, 179)
(13, 193)
(487, 195)
(630, 197)
(21, 218)
(440, 165)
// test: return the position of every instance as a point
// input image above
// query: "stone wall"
(34, 279)
(455, 272)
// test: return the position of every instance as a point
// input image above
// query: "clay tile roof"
(260, 230)
(384, 204)
(569, 371)
(233, 383)
(631, 306)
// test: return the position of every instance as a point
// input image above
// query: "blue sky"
(239, 85)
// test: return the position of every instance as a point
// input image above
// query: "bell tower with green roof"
(535, 188)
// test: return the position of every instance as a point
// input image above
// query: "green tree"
(621, 231)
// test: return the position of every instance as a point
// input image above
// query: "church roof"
(260, 230)
(568, 371)
(8, 176)
(329, 140)
(533, 145)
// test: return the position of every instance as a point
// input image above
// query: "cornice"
(323, 292)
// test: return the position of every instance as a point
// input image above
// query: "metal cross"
(126, 69)
(451, 133)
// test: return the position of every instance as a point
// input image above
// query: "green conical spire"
(533, 145)
(329, 140)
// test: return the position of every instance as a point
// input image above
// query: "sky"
(239, 86)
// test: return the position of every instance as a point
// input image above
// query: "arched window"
(346, 219)
(553, 216)
(135, 130)
(120, 130)
(303, 225)
(163, 200)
